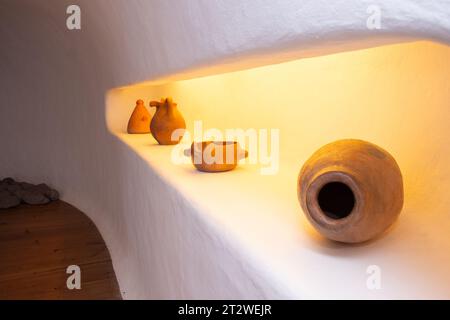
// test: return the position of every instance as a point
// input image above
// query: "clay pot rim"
(198, 146)
(316, 214)
(216, 142)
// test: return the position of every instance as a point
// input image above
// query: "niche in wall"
(396, 96)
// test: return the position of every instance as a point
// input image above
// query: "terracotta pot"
(140, 119)
(351, 190)
(216, 156)
(165, 121)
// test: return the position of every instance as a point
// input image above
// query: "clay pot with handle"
(140, 119)
(215, 156)
(166, 120)
(351, 190)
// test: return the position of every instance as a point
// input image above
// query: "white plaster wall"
(52, 116)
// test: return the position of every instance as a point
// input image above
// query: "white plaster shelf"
(260, 219)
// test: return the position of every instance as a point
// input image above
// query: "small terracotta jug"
(351, 190)
(140, 119)
(215, 156)
(165, 121)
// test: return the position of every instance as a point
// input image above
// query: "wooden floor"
(38, 243)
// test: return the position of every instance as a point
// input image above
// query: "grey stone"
(33, 196)
(43, 187)
(18, 193)
(53, 195)
(13, 188)
(8, 180)
(4, 192)
(26, 185)
(7, 200)
(50, 193)
(27, 192)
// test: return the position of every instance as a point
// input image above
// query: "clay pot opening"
(336, 200)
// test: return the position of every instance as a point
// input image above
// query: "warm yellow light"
(396, 96)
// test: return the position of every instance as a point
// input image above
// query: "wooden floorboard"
(38, 243)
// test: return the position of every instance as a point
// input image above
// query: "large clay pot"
(165, 121)
(140, 119)
(351, 190)
(215, 156)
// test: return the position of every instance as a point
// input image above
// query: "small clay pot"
(140, 119)
(351, 190)
(165, 121)
(216, 156)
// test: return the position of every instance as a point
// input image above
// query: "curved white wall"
(52, 119)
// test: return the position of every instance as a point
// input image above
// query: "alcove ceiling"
(224, 36)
